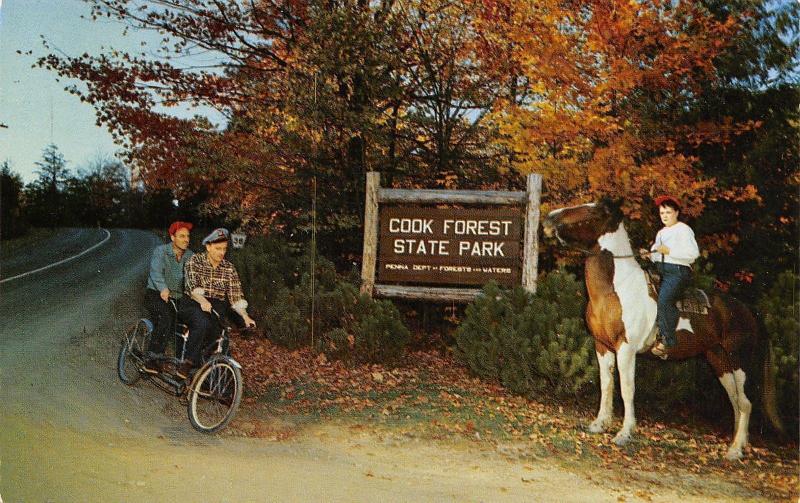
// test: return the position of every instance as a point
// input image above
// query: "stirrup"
(660, 351)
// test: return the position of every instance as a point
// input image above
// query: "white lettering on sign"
(397, 267)
(477, 227)
(455, 268)
(497, 270)
(481, 248)
(421, 247)
(411, 225)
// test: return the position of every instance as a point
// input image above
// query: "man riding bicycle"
(211, 283)
(165, 282)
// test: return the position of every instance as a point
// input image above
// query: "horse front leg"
(626, 361)
(606, 413)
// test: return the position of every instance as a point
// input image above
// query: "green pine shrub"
(284, 322)
(780, 311)
(666, 387)
(347, 325)
(265, 266)
(530, 343)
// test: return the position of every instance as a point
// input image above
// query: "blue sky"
(28, 95)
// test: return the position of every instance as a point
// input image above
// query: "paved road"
(70, 431)
(59, 245)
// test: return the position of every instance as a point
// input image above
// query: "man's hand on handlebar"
(165, 294)
(249, 322)
(205, 306)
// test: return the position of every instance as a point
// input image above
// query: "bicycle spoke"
(132, 352)
(215, 397)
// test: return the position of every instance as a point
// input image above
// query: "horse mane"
(613, 207)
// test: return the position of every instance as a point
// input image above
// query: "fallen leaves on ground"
(428, 394)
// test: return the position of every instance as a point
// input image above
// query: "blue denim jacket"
(166, 271)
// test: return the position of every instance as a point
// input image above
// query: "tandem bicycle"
(212, 392)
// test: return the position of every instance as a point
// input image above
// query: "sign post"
(423, 251)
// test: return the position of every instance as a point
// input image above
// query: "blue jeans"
(674, 280)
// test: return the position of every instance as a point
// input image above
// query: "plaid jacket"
(221, 283)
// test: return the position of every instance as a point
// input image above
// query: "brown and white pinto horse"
(621, 316)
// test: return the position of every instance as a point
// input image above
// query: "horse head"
(582, 225)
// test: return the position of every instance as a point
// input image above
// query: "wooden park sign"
(450, 246)
(422, 250)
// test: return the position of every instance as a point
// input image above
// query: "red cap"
(662, 199)
(178, 225)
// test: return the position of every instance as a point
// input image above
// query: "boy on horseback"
(673, 251)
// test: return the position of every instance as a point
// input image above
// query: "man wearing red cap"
(673, 251)
(165, 282)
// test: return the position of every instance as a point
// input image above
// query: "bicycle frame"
(181, 330)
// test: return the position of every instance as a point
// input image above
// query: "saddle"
(693, 300)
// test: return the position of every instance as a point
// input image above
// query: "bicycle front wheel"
(215, 394)
(132, 352)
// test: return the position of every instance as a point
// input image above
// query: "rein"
(586, 252)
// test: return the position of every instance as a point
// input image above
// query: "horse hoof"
(622, 439)
(597, 427)
(733, 454)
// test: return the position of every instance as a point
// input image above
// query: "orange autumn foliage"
(598, 89)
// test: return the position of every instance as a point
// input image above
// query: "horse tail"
(769, 392)
(767, 387)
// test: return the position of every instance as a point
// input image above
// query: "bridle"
(588, 253)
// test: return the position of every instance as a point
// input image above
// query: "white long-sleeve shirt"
(679, 238)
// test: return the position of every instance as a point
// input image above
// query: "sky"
(33, 104)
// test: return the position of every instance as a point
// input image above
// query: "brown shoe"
(660, 350)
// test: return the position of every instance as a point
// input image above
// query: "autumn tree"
(600, 97)
(635, 99)
(596, 87)
(758, 83)
(311, 89)
(440, 129)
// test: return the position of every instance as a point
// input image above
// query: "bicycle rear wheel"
(215, 394)
(132, 352)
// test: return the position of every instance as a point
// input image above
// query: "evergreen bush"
(265, 266)
(284, 322)
(780, 311)
(347, 325)
(530, 343)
